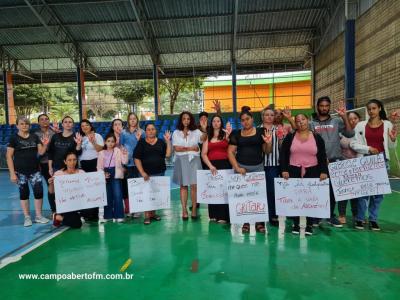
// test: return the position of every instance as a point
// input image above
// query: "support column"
(349, 63)
(234, 90)
(9, 106)
(156, 96)
(81, 94)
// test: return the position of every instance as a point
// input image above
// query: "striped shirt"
(272, 159)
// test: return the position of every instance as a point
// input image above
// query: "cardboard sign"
(359, 177)
(149, 195)
(212, 189)
(247, 198)
(307, 197)
(80, 191)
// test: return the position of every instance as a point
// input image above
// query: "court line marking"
(7, 258)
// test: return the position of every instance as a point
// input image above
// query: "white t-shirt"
(193, 139)
(88, 150)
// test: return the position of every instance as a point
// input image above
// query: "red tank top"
(374, 137)
(218, 150)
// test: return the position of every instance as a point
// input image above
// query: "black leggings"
(72, 219)
(35, 180)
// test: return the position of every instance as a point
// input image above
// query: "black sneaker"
(335, 222)
(296, 229)
(309, 230)
(274, 223)
(359, 225)
(374, 226)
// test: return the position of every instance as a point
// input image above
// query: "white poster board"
(306, 197)
(212, 189)
(80, 191)
(247, 198)
(358, 177)
(149, 195)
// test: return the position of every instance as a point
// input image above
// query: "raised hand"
(395, 116)
(341, 111)
(45, 139)
(267, 136)
(217, 105)
(92, 137)
(287, 112)
(124, 151)
(138, 134)
(55, 127)
(78, 138)
(393, 134)
(280, 132)
(167, 135)
(227, 130)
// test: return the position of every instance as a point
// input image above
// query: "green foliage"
(132, 92)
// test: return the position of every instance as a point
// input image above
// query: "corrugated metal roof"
(183, 33)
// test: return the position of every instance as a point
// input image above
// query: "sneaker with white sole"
(359, 225)
(335, 223)
(296, 229)
(374, 226)
(41, 220)
(120, 220)
(309, 230)
(27, 221)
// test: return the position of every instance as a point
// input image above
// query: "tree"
(29, 98)
(175, 86)
(132, 92)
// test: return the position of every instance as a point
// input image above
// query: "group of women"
(290, 150)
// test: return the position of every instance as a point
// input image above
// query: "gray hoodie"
(329, 130)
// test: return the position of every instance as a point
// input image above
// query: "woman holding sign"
(215, 156)
(70, 166)
(246, 152)
(185, 140)
(150, 154)
(374, 136)
(303, 155)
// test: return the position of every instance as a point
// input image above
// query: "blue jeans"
(373, 208)
(271, 172)
(115, 207)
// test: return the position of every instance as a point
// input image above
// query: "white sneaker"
(27, 221)
(120, 220)
(41, 220)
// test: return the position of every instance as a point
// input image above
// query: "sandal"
(147, 221)
(156, 218)
(246, 228)
(260, 228)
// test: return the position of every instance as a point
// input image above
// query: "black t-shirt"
(152, 156)
(58, 147)
(26, 159)
(249, 148)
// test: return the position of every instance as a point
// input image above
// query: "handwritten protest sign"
(149, 195)
(358, 177)
(212, 189)
(307, 197)
(247, 198)
(80, 191)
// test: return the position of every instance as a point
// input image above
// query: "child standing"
(110, 161)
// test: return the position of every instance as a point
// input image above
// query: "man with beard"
(330, 130)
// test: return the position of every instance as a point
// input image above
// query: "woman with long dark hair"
(215, 157)
(185, 140)
(374, 136)
(246, 152)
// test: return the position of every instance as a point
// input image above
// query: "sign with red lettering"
(302, 197)
(247, 198)
(80, 191)
(211, 189)
(359, 177)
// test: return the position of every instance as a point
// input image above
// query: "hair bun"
(245, 108)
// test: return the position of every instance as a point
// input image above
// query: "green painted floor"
(202, 260)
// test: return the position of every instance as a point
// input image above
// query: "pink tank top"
(303, 153)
